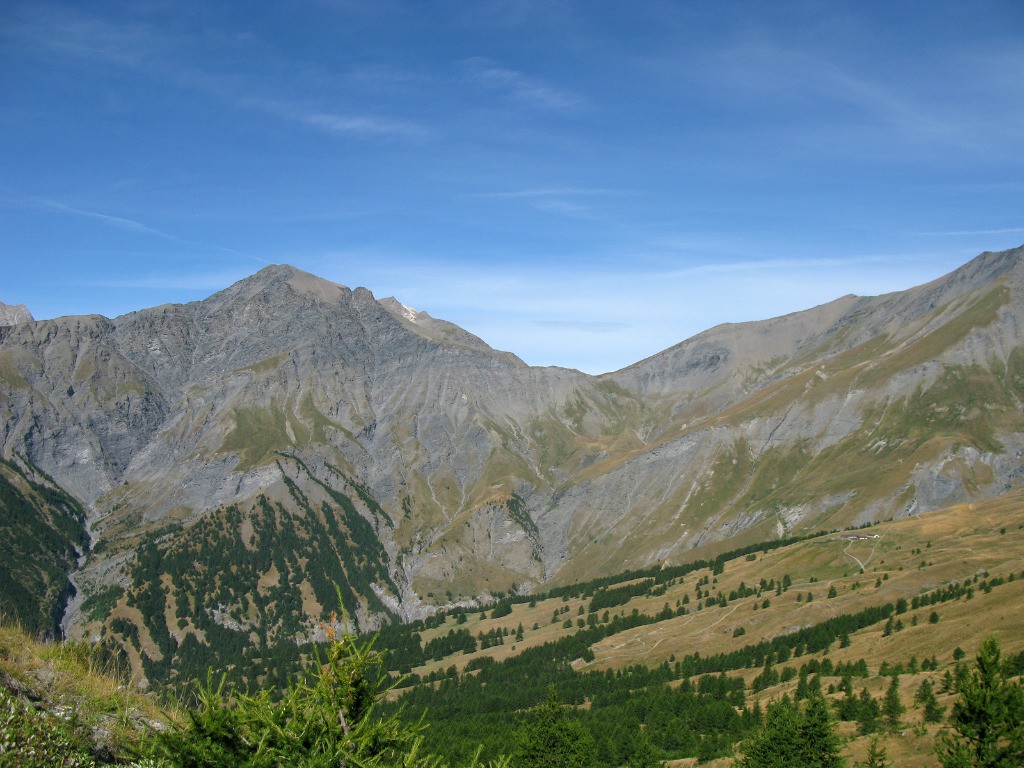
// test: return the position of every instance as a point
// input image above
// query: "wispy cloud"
(972, 232)
(68, 32)
(114, 221)
(765, 69)
(153, 53)
(346, 124)
(563, 201)
(129, 225)
(520, 87)
(553, 192)
(762, 266)
(198, 281)
(842, 96)
(582, 325)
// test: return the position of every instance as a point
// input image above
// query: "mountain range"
(221, 473)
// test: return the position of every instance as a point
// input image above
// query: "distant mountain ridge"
(241, 454)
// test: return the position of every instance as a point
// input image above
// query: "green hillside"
(43, 532)
(674, 665)
(748, 627)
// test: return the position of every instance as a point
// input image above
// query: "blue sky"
(581, 183)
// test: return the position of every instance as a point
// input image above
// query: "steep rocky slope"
(12, 315)
(240, 455)
(860, 409)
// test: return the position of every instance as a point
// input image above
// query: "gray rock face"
(13, 315)
(494, 474)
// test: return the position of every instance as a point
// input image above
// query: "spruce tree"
(642, 753)
(548, 738)
(848, 705)
(868, 713)
(987, 718)
(328, 717)
(818, 741)
(892, 707)
(925, 696)
(876, 757)
(773, 745)
(801, 686)
(790, 737)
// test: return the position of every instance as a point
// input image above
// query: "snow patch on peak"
(408, 313)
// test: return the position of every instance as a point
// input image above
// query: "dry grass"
(955, 544)
(72, 676)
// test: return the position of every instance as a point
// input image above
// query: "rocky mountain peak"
(293, 413)
(280, 282)
(12, 315)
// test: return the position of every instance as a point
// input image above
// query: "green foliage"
(642, 753)
(257, 567)
(868, 713)
(610, 598)
(925, 696)
(457, 640)
(98, 605)
(517, 510)
(328, 717)
(43, 532)
(502, 609)
(876, 757)
(549, 738)
(892, 706)
(793, 737)
(32, 739)
(987, 720)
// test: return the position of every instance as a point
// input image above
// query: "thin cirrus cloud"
(536, 93)
(115, 221)
(347, 124)
(565, 201)
(192, 282)
(150, 52)
(67, 32)
(582, 325)
(972, 232)
(814, 82)
(762, 266)
(553, 192)
(129, 225)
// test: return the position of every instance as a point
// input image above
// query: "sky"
(581, 183)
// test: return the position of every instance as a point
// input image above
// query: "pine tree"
(848, 705)
(868, 713)
(801, 685)
(876, 757)
(925, 696)
(814, 686)
(793, 738)
(933, 713)
(642, 753)
(548, 738)
(987, 718)
(819, 743)
(773, 745)
(892, 707)
(328, 717)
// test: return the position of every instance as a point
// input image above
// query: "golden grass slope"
(69, 680)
